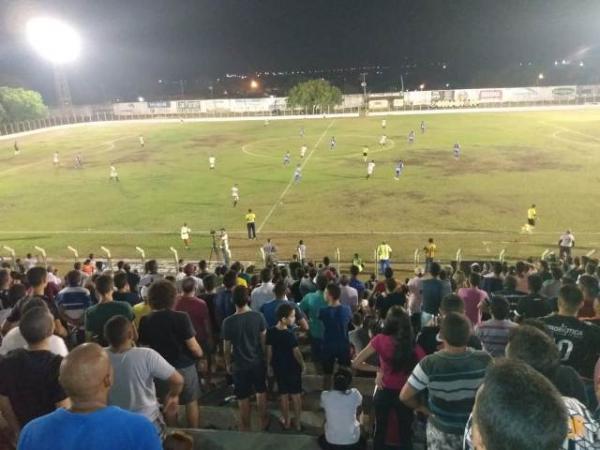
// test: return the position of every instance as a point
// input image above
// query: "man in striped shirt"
(452, 377)
(494, 333)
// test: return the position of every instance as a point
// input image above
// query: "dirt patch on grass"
(215, 140)
(134, 157)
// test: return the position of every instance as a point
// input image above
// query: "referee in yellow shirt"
(384, 252)
(251, 224)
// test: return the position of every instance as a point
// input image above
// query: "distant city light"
(422, 86)
(447, 85)
(556, 63)
(581, 64)
(54, 40)
(564, 61)
(444, 66)
(254, 84)
(541, 76)
(140, 99)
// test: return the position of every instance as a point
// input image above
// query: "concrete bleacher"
(227, 440)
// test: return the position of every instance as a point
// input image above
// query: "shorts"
(288, 381)
(340, 354)
(191, 386)
(439, 440)
(531, 222)
(249, 381)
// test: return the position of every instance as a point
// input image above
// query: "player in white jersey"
(286, 159)
(422, 126)
(185, 235)
(411, 137)
(370, 169)
(114, 176)
(298, 174)
(16, 147)
(332, 143)
(303, 151)
(382, 140)
(142, 142)
(266, 122)
(399, 168)
(456, 151)
(235, 194)
(78, 161)
(383, 123)
(55, 161)
(211, 162)
(365, 153)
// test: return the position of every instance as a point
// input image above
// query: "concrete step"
(227, 440)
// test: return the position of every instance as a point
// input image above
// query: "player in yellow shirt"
(430, 250)
(531, 218)
(384, 251)
(251, 224)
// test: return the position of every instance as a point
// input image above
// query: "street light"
(422, 86)
(140, 99)
(254, 84)
(541, 76)
(58, 43)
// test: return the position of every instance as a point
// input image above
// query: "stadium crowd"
(478, 356)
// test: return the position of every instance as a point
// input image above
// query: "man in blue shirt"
(269, 309)
(355, 282)
(86, 375)
(72, 302)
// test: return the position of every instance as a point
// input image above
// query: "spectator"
(141, 309)
(336, 345)
(473, 297)
(494, 333)
(551, 287)
(245, 331)
(536, 348)
(349, 295)
(578, 342)
(36, 279)
(72, 302)
(224, 306)
(493, 281)
(588, 285)
(311, 306)
(295, 287)
(172, 335)
(189, 271)
(285, 360)
(14, 339)
(355, 282)
(457, 366)
(429, 338)
(342, 429)
(364, 328)
(133, 279)
(88, 267)
(197, 310)
(522, 276)
(533, 305)
(96, 316)
(398, 356)
(269, 309)
(150, 274)
(264, 292)
(5, 282)
(14, 293)
(391, 297)
(86, 376)
(432, 292)
(501, 423)
(124, 292)
(414, 298)
(29, 386)
(135, 369)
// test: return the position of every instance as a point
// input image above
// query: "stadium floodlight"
(254, 84)
(422, 86)
(60, 44)
(53, 39)
(140, 99)
(541, 76)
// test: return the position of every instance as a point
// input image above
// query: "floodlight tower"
(60, 44)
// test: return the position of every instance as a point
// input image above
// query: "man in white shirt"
(264, 292)
(211, 162)
(55, 159)
(235, 194)
(134, 371)
(225, 246)
(370, 169)
(185, 235)
(565, 243)
(303, 151)
(114, 176)
(141, 141)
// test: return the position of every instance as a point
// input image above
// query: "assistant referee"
(251, 224)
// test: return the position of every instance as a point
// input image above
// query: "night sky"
(133, 43)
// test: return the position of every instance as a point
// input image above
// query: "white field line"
(296, 232)
(289, 185)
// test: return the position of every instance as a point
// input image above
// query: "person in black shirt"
(578, 342)
(172, 335)
(533, 305)
(4, 286)
(428, 338)
(29, 386)
(124, 292)
(391, 298)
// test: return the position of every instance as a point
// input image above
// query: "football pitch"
(477, 203)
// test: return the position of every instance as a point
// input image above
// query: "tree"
(3, 115)
(21, 104)
(312, 93)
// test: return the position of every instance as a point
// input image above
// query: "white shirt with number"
(567, 240)
(185, 232)
(235, 192)
(211, 161)
(141, 140)
(56, 158)
(113, 172)
(370, 168)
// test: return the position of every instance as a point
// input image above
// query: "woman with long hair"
(398, 355)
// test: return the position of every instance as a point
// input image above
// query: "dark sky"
(128, 43)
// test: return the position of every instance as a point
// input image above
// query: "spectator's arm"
(9, 415)
(303, 324)
(171, 403)
(194, 347)
(360, 363)
(227, 355)
(269, 354)
(299, 357)
(59, 328)
(134, 330)
(411, 398)
(7, 326)
(263, 340)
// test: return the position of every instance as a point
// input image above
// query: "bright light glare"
(54, 40)
(541, 76)
(140, 99)
(254, 84)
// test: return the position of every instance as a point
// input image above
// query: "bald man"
(86, 376)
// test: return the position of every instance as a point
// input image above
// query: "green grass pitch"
(478, 203)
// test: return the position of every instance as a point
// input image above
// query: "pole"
(401, 83)
(176, 256)
(502, 255)
(417, 257)
(12, 255)
(108, 256)
(142, 253)
(74, 251)
(43, 253)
